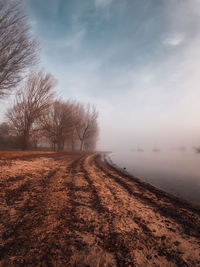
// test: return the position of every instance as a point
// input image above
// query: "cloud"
(174, 40)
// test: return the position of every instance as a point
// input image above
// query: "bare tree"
(91, 138)
(18, 49)
(31, 101)
(57, 123)
(86, 126)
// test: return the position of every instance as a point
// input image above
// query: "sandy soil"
(62, 209)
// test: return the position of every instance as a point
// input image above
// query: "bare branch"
(18, 49)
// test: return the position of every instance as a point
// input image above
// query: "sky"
(137, 61)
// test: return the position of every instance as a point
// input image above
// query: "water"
(177, 172)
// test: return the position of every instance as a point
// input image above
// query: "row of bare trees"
(37, 116)
(70, 124)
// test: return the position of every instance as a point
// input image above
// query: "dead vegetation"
(72, 209)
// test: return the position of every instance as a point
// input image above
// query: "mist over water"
(175, 171)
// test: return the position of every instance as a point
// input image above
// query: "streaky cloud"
(174, 40)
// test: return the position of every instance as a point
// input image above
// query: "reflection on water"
(176, 171)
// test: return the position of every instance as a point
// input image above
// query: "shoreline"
(140, 180)
(74, 209)
(170, 188)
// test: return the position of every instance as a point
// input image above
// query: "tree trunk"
(25, 141)
(82, 145)
(72, 145)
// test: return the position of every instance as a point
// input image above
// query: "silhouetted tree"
(31, 101)
(18, 49)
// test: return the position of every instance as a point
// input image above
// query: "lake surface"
(177, 172)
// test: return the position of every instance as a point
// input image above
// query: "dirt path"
(61, 209)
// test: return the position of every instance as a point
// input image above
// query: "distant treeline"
(37, 117)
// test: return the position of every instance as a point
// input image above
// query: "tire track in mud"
(147, 236)
(80, 226)
(68, 218)
(109, 239)
(187, 221)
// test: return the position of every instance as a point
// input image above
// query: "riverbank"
(174, 171)
(72, 209)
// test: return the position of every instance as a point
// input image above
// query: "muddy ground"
(62, 209)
